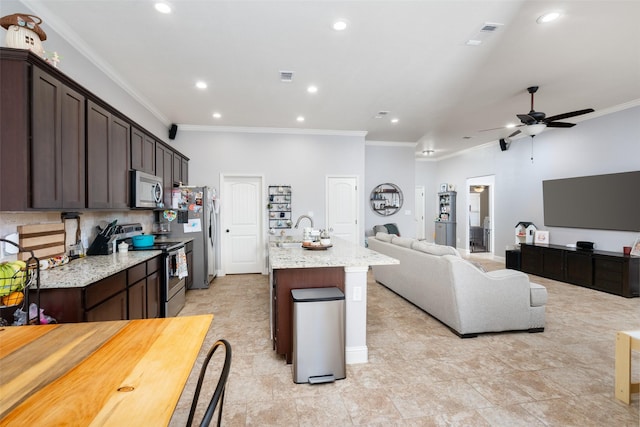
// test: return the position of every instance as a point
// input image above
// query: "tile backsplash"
(9, 222)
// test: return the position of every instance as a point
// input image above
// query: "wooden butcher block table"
(119, 373)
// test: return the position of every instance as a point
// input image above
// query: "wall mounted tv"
(603, 202)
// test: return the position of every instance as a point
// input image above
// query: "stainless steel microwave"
(146, 190)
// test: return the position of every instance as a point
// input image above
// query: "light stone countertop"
(81, 272)
(342, 254)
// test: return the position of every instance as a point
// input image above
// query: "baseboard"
(354, 355)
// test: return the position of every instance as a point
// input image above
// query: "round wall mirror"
(386, 199)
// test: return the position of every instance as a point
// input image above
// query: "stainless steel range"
(173, 287)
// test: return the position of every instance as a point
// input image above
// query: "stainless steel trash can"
(318, 335)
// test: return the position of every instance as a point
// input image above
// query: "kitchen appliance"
(146, 190)
(173, 286)
(196, 218)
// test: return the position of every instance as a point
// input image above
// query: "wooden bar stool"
(626, 341)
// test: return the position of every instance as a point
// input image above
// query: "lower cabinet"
(445, 233)
(611, 272)
(130, 294)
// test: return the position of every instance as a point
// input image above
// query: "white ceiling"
(405, 57)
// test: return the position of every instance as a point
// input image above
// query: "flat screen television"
(603, 202)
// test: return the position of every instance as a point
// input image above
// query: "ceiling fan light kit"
(534, 122)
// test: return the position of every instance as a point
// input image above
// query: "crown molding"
(287, 131)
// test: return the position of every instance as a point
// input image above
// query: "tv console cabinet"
(610, 272)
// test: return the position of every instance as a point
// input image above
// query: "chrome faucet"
(304, 216)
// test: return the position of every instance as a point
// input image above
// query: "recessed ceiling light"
(312, 89)
(216, 115)
(394, 120)
(300, 118)
(340, 25)
(473, 42)
(548, 17)
(201, 85)
(162, 7)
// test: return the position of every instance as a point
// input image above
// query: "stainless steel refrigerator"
(196, 218)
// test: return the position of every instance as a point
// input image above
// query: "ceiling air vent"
(286, 76)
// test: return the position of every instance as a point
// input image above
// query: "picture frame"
(541, 238)
(635, 249)
(444, 188)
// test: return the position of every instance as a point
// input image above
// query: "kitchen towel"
(181, 264)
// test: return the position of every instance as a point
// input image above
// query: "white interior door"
(419, 216)
(241, 224)
(342, 207)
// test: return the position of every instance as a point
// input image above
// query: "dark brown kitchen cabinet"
(180, 169)
(164, 169)
(108, 147)
(58, 154)
(106, 299)
(143, 151)
(62, 147)
(133, 293)
(153, 295)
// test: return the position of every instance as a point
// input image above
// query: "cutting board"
(45, 240)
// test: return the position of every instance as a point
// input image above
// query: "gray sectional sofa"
(456, 291)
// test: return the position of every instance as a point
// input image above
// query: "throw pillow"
(393, 229)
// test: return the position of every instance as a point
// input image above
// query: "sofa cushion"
(433, 249)
(405, 242)
(384, 237)
(538, 295)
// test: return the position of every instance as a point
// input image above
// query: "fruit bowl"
(13, 276)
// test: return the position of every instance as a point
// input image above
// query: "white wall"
(391, 163)
(605, 144)
(301, 160)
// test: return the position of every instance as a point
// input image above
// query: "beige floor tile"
(419, 372)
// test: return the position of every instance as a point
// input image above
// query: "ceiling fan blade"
(560, 125)
(567, 115)
(526, 119)
(487, 130)
(514, 134)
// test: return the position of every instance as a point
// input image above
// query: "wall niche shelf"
(386, 199)
(279, 206)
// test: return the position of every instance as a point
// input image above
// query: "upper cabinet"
(143, 151)
(58, 140)
(61, 147)
(107, 159)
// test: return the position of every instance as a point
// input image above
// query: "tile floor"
(420, 373)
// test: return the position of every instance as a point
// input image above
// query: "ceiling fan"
(535, 122)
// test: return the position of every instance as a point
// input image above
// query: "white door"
(419, 217)
(241, 224)
(342, 207)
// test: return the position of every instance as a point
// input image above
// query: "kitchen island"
(344, 266)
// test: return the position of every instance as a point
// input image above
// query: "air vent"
(486, 30)
(286, 76)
